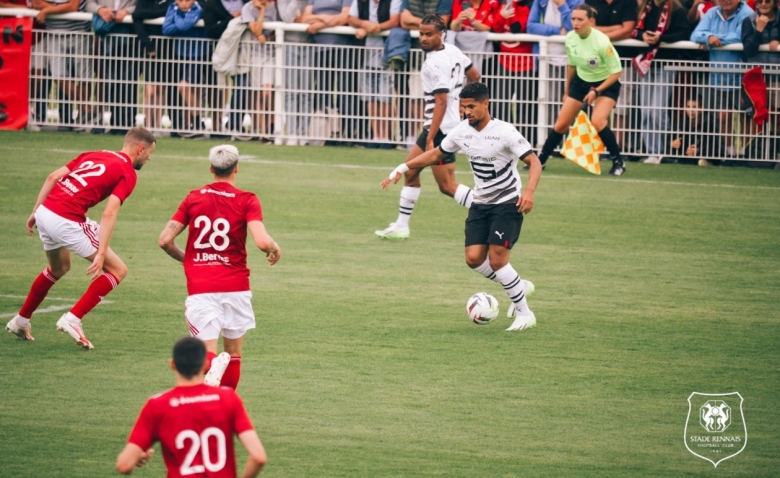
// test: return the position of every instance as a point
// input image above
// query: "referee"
(592, 77)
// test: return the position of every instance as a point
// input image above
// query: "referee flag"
(583, 144)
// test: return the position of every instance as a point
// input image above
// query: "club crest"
(715, 429)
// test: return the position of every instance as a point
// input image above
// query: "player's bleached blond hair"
(223, 158)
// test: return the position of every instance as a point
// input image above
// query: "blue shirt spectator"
(180, 20)
(722, 26)
(541, 22)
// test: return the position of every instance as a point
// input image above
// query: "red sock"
(232, 373)
(98, 289)
(209, 357)
(40, 287)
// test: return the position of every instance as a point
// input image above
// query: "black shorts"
(423, 138)
(579, 88)
(497, 224)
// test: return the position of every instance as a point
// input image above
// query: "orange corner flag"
(583, 144)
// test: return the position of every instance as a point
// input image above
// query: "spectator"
(216, 16)
(617, 19)
(188, 49)
(515, 78)
(763, 28)
(552, 18)
(696, 138)
(408, 82)
(659, 21)
(370, 17)
(697, 10)
(118, 62)
(331, 57)
(69, 52)
(477, 15)
(255, 13)
(156, 68)
(298, 75)
(722, 26)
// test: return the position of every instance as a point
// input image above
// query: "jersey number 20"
(218, 240)
(201, 443)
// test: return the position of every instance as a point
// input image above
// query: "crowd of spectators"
(681, 107)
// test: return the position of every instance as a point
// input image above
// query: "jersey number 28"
(201, 443)
(218, 239)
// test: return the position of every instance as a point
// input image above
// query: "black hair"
(189, 355)
(433, 19)
(587, 9)
(478, 91)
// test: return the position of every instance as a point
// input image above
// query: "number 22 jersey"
(93, 177)
(215, 257)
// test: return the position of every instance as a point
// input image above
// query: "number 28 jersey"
(215, 257)
(93, 177)
(195, 426)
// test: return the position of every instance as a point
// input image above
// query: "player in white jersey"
(442, 78)
(496, 216)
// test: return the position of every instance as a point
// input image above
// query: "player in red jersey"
(60, 214)
(194, 424)
(219, 299)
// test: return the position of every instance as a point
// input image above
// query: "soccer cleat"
(653, 160)
(394, 232)
(618, 168)
(23, 333)
(529, 289)
(523, 321)
(75, 331)
(218, 366)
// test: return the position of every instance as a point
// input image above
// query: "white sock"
(409, 196)
(22, 322)
(463, 195)
(514, 287)
(486, 270)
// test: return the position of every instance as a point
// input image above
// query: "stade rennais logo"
(715, 429)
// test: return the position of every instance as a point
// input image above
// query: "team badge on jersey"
(610, 51)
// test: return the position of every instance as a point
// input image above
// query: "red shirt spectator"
(476, 16)
(513, 18)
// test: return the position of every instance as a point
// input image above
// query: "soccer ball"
(482, 308)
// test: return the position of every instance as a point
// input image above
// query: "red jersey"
(195, 426)
(93, 177)
(215, 258)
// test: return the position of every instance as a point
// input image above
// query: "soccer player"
(496, 216)
(442, 78)
(194, 424)
(219, 301)
(60, 214)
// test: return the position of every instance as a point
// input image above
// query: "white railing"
(297, 93)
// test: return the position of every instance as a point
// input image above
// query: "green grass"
(363, 363)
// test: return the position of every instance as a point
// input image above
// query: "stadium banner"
(15, 48)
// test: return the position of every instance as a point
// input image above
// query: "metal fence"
(303, 93)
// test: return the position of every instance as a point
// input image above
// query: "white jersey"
(493, 154)
(444, 71)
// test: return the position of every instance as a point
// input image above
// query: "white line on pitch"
(9, 296)
(53, 308)
(253, 159)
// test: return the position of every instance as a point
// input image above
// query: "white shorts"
(263, 66)
(226, 313)
(70, 56)
(80, 238)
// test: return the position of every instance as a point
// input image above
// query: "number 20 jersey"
(215, 257)
(93, 176)
(195, 426)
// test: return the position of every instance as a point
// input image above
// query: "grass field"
(363, 364)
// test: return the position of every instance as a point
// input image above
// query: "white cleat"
(523, 321)
(218, 366)
(23, 333)
(529, 289)
(394, 232)
(75, 331)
